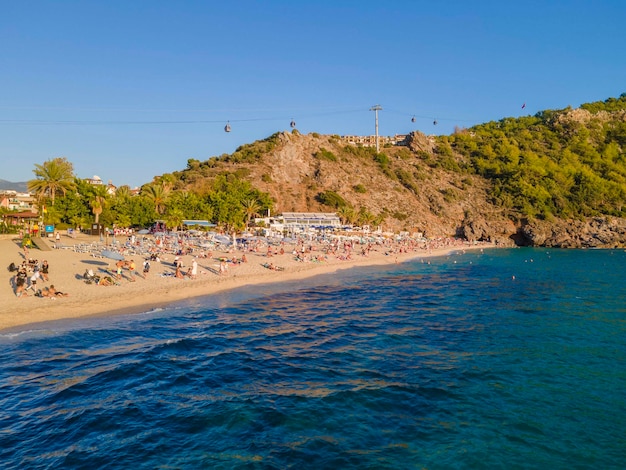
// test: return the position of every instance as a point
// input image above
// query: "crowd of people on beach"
(29, 275)
(158, 249)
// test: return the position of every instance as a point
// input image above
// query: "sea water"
(512, 358)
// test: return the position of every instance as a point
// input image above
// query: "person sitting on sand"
(179, 273)
(106, 281)
(223, 267)
(20, 282)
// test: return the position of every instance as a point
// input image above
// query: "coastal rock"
(597, 232)
(478, 228)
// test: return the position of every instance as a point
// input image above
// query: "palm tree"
(251, 208)
(123, 193)
(158, 194)
(52, 177)
(365, 216)
(346, 214)
(98, 202)
(174, 218)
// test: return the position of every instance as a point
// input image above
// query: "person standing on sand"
(194, 269)
(146, 269)
(33, 281)
(119, 265)
(131, 269)
(44, 270)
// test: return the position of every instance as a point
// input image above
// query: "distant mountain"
(20, 187)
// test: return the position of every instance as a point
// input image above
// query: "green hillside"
(566, 163)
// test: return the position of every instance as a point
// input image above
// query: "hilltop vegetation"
(498, 180)
(565, 164)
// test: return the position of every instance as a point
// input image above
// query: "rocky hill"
(403, 189)
(439, 186)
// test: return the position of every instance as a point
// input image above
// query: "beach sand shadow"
(95, 263)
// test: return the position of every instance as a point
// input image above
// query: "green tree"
(123, 193)
(174, 218)
(365, 217)
(347, 214)
(251, 208)
(98, 202)
(158, 194)
(51, 178)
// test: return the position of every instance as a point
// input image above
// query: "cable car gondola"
(227, 127)
(413, 119)
(292, 124)
(435, 122)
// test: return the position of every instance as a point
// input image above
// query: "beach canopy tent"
(199, 223)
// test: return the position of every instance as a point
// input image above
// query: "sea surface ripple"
(502, 359)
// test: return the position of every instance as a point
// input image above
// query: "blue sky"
(131, 89)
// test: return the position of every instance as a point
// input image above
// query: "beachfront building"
(16, 201)
(297, 222)
(307, 220)
(97, 181)
(370, 140)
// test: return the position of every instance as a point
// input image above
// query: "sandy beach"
(160, 288)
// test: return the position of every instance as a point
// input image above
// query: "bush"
(324, 154)
(331, 198)
(405, 179)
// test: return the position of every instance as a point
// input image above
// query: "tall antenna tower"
(376, 108)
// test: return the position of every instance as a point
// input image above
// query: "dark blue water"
(503, 359)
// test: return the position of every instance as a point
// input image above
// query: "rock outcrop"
(597, 232)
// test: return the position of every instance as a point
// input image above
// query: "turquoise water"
(502, 359)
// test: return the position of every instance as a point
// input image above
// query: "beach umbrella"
(112, 255)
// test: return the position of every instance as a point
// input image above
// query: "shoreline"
(84, 301)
